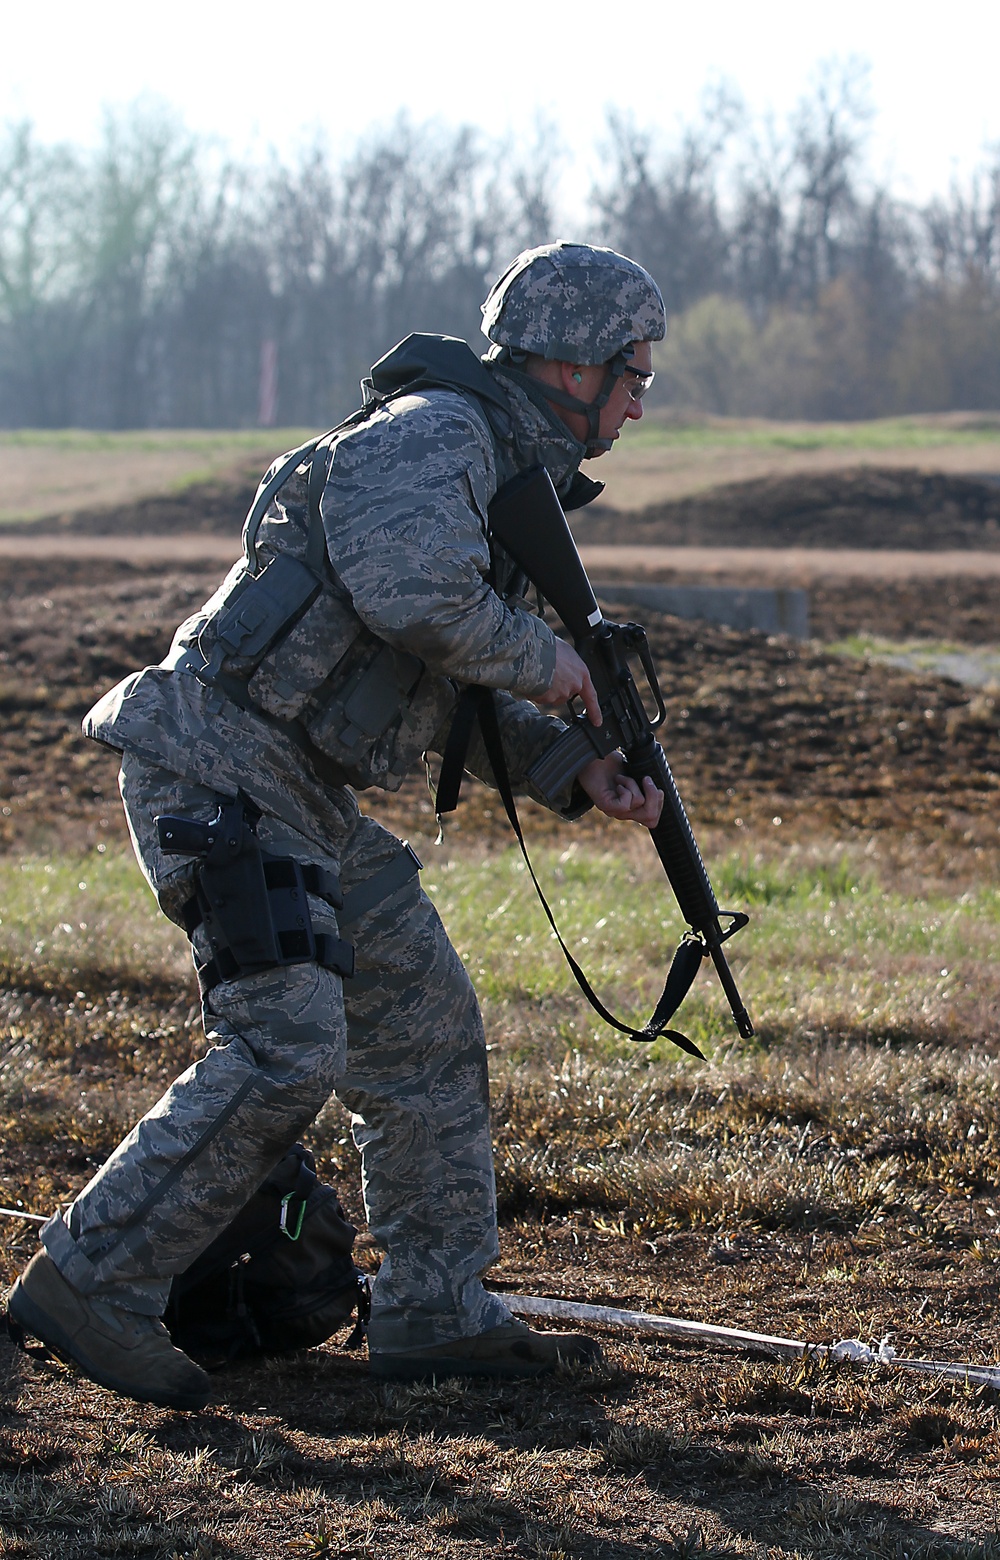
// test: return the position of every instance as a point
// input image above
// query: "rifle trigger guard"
(738, 919)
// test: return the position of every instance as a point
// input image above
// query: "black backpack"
(280, 1277)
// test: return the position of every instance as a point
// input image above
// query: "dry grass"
(836, 1180)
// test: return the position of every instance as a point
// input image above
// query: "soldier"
(332, 669)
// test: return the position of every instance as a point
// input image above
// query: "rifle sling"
(455, 750)
(477, 702)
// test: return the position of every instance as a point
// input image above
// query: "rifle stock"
(527, 519)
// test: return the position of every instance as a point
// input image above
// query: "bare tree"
(827, 138)
(147, 282)
(663, 208)
(40, 275)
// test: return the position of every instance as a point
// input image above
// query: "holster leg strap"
(254, 910)
(333, 953)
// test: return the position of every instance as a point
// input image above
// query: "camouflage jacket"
(367, 677)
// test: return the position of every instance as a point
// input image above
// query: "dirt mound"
(867, 507)
(756, 728)
(218, 506)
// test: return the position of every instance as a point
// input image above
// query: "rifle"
(527, 520)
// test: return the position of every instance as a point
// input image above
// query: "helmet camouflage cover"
(574, 303)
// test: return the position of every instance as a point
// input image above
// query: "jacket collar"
(537, 435)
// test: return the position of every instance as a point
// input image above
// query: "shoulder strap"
(319, 470)
(265, 492)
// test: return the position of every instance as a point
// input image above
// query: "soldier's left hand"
(617, 795)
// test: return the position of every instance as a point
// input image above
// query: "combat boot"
(511, 1351)
(128, 1353)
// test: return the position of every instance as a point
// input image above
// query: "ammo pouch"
(284, 646)
(259, 608)
(343, 684)
(253, 905)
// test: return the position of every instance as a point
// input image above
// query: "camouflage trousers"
(400, 1044)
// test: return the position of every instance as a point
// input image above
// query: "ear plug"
(578, 378)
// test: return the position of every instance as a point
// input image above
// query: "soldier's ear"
(572, 375)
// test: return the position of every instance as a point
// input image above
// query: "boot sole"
(36, 1321)
(388, 1369)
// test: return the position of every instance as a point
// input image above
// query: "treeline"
(154, 283)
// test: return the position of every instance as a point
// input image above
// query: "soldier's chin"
(599, 447)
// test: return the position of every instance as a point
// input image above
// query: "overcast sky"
(271, 75)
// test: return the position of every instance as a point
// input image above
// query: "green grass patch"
(657, 429)
(829, 952)
(214, 441)
(976, 666)
(79, 915)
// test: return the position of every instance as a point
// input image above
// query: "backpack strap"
(319, 470)
(265, 492)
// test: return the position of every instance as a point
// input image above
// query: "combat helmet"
(577, 304)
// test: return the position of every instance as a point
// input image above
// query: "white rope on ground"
(847, 1351)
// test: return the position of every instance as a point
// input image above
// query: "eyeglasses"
(636, 391)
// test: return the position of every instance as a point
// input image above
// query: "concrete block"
(777, 610)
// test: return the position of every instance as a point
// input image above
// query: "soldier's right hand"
(571, 680)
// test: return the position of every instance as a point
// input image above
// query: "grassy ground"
(975, 666)
(932, 431)
(836, 1177)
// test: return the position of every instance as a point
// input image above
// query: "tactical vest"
(282, 638)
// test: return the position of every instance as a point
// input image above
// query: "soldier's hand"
(571, 680)
(617, 795)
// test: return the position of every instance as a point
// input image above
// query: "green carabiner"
(283, 1218)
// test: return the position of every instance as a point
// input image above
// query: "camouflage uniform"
(405, 605)
(401, 1044)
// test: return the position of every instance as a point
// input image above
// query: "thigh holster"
(253, 906)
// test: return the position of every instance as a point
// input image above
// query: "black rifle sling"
(455, 749)
(686, 960)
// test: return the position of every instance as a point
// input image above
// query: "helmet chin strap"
(505, 360)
